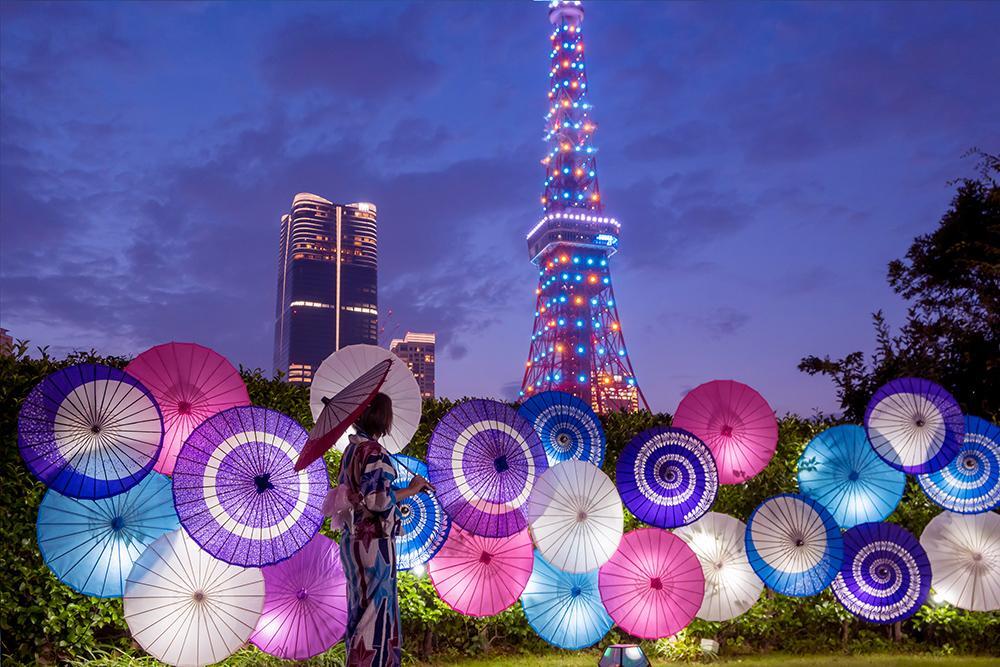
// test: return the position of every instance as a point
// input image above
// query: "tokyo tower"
(577, 345)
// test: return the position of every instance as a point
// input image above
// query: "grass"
(773, 660)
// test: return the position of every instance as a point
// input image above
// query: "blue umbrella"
(970, 483)
(90, 545)
(667, 477)
(840, 469)
(568, 427)
(424, 526)
(565, 609)
(794, 545)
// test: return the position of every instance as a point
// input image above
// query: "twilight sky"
(766, 162)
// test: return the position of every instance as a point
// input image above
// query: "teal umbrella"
(564, 608)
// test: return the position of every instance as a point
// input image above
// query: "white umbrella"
(576, 516)
(964, 550)
(185, 607)
(731, 585)
(349, 363)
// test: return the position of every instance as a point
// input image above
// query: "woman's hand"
(419, 485)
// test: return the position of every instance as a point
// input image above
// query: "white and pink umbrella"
(735, 422)
(481, 576)
(654, 585)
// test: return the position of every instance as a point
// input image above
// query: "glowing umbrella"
(731, 585)
(481, 576)
(305, 603)
(424, 526)
(840, 469)
(349, 363)
(576, 516)
(735, 422)
(184, 607)
(914, 425)
(794, 544)
(653, 585)
(565, 609)
(964, 550)
(89, 431)
(885, 576)
(341, 411)
(667, 477)
(190, 383)
(569, 429)
(90, 545)
(971, 482)
(237, 492)
(483, 459)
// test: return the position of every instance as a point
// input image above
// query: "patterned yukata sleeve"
(375, 485)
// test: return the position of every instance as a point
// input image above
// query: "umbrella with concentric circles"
(424, 526)
(731, 585)
(305, 603)
(970, 483)
(90, 431)
(915, 425)
(794, 545)
(565, 608)
(483, 459)
(964, 550)
(190, 383)
(237, 492)
(735, 422)
(886, 575)
(840, 469)
(90, 545)
(653, 586)
(667, 477)
(568, 427)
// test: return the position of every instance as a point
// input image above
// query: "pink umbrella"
(305, 603)
(735, 422)
(191, 383)
(654, 585)
(481, 576)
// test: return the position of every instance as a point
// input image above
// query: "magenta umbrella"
(482, 576)
(735, 422)
(191, 383)
(654, 585)
(305, 603)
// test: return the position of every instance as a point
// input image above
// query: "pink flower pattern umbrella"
(190, 383)
(482, 576)
(654, 585)
(305, 603)
(735, 422)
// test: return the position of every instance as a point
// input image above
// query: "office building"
(417, 350)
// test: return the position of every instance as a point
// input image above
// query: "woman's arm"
(417, 485)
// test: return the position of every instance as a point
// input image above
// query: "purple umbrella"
(667, 477)
(305, 603)
(237, 492)
(886, 574)
(90, 431)
(483, 459)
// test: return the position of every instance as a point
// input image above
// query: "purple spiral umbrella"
(90, 431)
(886, 574)
(237, 492)
(483, 459)
(667, 477)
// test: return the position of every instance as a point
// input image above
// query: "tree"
(951, 277)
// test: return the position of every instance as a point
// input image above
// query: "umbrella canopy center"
(485, 558)
(183, 408)
(656, 584)
(500, 463)
(198, 596)
(853, 476)
(95, 428)
(581, 516)
(919, 420)
(263, 482)
(668, 473)
(575, 591)
(117, 523)
(302, 594)
(882, 572)
(405, 510)
(718, 565)
(977, 557)
(969, 463)
(563, 439)
(727, 430)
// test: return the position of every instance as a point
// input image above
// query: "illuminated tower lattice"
(577, 344)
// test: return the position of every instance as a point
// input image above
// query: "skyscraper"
(417, 350)
(577, 344)
(327, 283)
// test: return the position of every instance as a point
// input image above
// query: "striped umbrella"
(190, 383)
(90, 431)
(970, 483)
(564, 608)
(964, 550)
(915, 425)
(667, 477)
(886, 574)
(840, 469)
(794, 545)
(424, 526)
(568, 427)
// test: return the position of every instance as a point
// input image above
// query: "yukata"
(368, 553)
